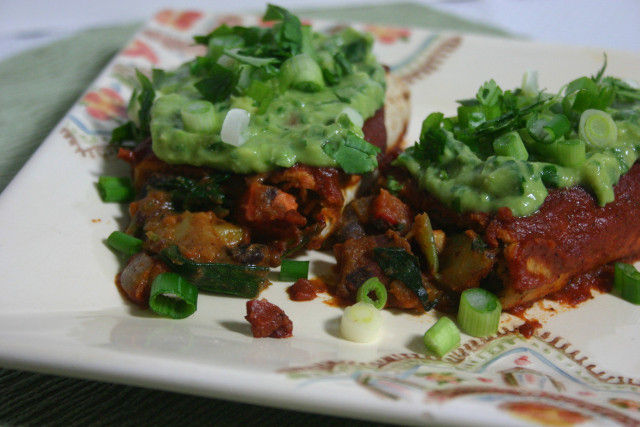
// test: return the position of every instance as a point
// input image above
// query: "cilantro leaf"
(433, 139)
(250, 60)
(124, 133)
(218, 83)
(288, 33)
(145, 98)
(221, 32)
(129, 131)
(489, 94)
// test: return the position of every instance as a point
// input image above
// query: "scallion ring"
(235, 123)
(198, 116)
(361, 322)
(511, 145)
(115, 189)
(626, 282)
(597, 128)
(302, 73)
(376, 286)
(292, 270)
(479, 312)
(173, 296)
(570, 152)
(124, 243)
(442, 337)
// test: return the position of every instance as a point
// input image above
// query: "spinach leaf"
(400, 265)
(193, 195)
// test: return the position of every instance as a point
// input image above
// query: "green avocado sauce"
(305, 94)
(588, 135)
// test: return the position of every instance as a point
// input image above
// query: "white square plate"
(61, 313)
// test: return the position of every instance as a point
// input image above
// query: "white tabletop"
(610, 24)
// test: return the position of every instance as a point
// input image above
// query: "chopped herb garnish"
(218, 84)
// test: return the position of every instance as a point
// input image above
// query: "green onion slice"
(173, 296)
(125, 243)
(626, 281)
(199, 116)
(530, 83)
(235, 123)
(427, 241)
(302, 73)
(548, 129)
(292, 270)
(510, 145)
(372, 285)
(442, 337)
(262, 93)
(115, 189)
(479, 312)
(241, 280)
(361, 323)
(570, 152)
(597, 128)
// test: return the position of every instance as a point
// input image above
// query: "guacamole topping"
(266, 97)
(506, 149)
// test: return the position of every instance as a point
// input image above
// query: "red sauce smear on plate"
(579, 290)
(306, 289)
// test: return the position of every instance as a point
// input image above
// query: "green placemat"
(37, 88)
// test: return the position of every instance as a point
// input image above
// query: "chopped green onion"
(241, 280)
(233, 128)
(548, 151)
(570, 152)
(511, 145)
(581, 94)
(530, 83)
(123, 242)
(427, 241)
(199, 116)
(115, 189)
(262, 93)
(626, 281)
(479, 312)
(372, 285)
(597, 128)
(361, 322)
(442, 337)
(353, 115)
(292, 270)
(173, 296)
(548, 129)
(303, 73)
